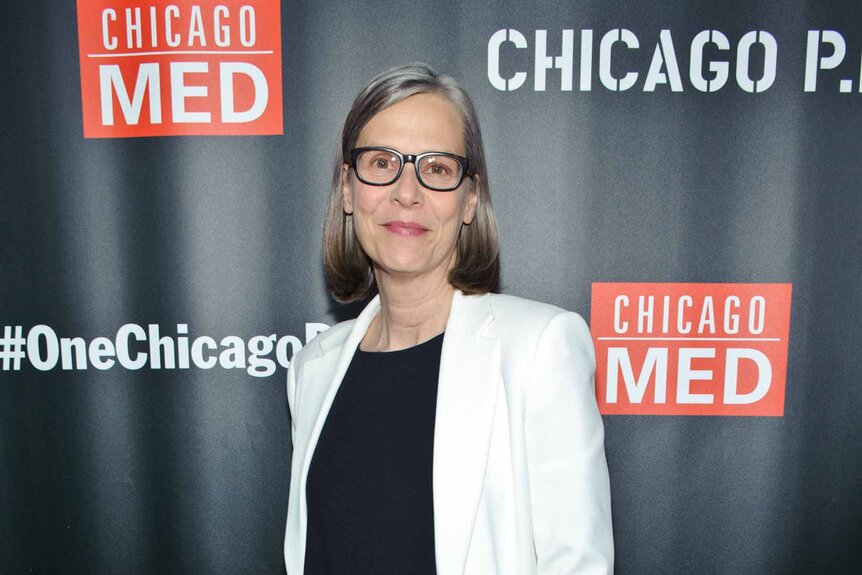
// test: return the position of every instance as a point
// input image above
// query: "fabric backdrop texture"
(153, 288)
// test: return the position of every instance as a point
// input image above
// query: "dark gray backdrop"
(186, 471)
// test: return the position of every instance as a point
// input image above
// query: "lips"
(405, 228)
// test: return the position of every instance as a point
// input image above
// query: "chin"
(405, 265)
(403, 260)
(402, 268)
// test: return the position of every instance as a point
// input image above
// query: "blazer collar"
(467, 393)
(466, 400)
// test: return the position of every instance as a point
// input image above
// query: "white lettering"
(683, 327)
(198, 354)
(564, 62)
(179, 92)
(196, 27)
(229, 115)
(100, 349)
(122, 345)
(770, 61)
(586, 83)
(813, 62)
(108, 41)
(79, 346)
(664, 55)
(720, 68)
(707, 316)
(605, 75)
(159, 345)
(147, 80)
(133, 29)
(645, 312)
(685, 375)
(154, 28)
(182, 346)
(52, 348)
(234, 356)
(655, 360)
(731, 376)
(259, 347)
(494, 43)
(620, 302)
(172, 12)
(247, 27)
(222, 31)
(757, 314)
(731, 318)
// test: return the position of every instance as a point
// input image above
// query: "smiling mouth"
(405, 228)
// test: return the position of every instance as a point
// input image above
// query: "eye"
(439, 166)
(378, 161)
(438, 169)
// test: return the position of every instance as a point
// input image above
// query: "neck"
(412, 310)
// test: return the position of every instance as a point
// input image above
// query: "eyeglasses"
(438, 171)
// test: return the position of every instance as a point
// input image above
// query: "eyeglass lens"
(435, 171)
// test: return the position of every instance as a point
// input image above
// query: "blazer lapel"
(466, 399)
(330, 368)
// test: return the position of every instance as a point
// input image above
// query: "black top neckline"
(421, 345)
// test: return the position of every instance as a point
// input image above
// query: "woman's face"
(406, 229)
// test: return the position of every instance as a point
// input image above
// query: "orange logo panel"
(690, 349)
(162, 68)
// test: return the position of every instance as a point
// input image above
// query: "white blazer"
(520, 482)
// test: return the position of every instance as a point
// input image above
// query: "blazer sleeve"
(568, 475)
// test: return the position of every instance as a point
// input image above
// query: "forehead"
(420, 123)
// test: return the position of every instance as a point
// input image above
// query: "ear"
(346, 191)
(472, 201)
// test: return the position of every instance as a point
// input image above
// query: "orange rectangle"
(690, 348)
(168, 67)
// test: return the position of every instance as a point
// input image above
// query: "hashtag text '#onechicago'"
(134, 348)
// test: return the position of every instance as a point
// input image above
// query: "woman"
(446, 429)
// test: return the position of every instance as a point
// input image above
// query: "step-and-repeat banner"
(684, 175)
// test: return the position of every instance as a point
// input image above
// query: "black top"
(369, 490)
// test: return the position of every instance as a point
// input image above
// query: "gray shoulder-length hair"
(348, 268)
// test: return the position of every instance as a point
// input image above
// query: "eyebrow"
(443, 150)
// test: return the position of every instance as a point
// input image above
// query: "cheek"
(366, 207)
(450, 216)
(455, 210)
(365, 200)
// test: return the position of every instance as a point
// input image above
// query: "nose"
(407, 190)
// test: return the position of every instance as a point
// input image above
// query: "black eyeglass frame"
(415, 159)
